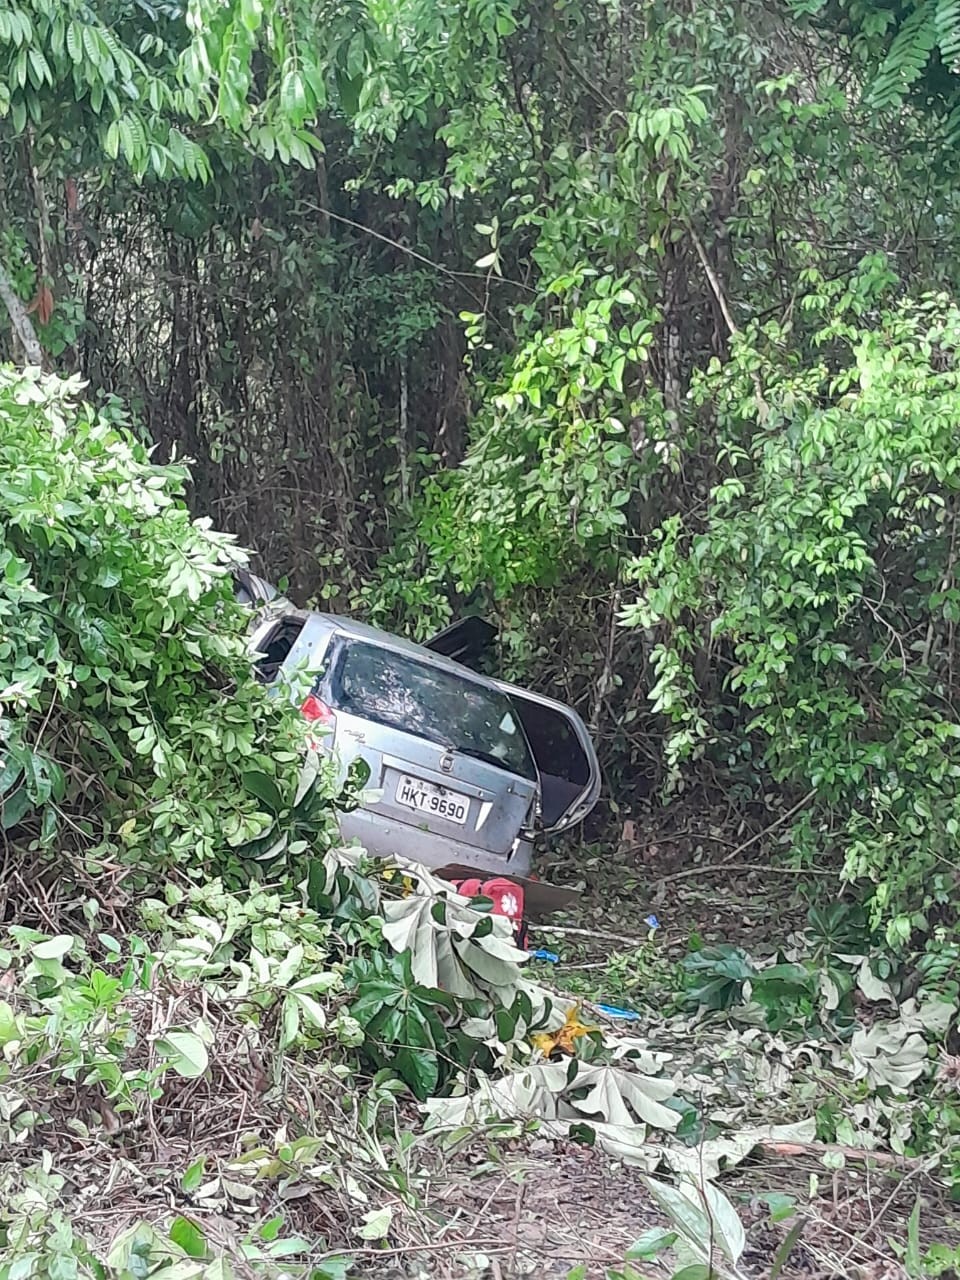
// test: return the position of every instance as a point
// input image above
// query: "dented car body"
(464, 769)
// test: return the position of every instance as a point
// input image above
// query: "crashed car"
(465, 771)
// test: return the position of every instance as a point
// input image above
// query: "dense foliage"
(188, 962)
(125, 686)
(821, 576)
(633, 325)
(539, 309)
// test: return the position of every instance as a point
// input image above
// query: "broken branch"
(858, 1154)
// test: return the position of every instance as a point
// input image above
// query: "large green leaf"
(420, 1068)
(265, 789)
(185, 1053)
(185, 1233)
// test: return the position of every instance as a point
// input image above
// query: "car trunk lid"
(423, 785)
(446, 751)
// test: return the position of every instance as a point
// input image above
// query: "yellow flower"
(563, 1039)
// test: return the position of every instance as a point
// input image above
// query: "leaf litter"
(571, 1158)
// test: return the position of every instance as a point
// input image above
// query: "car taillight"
(316, 712)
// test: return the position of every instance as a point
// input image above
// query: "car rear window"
(462, 715)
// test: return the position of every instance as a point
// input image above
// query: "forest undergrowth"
(238, 1139)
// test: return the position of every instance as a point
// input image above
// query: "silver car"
(465, 769)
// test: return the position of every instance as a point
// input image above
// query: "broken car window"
(397, 691)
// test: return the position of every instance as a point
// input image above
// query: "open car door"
(465, 641)
(564, 755)
(251, 590)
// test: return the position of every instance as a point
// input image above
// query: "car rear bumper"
(385, 838)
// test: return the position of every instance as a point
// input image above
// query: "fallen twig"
(711, 868)
(859, 1154)
(921, 1166)
(591, 933)
(801, 804)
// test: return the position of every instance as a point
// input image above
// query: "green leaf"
(420, 1069)
(10, 771)
(505, 1021)
(293, 99)
(291, 1022)
(333, 1268)
(312, 1010)
(188, 1236)
(782, 1256)
(702, 1215)
(13, 808)
(54, 948)
(194, 1175)
(271, 1228)
(349, 91)
(781, 1206)
(289, 1247)
(251, 14)
(9, 1028)
(318, 983)
(652, 1242)
(40, 71)
(356, 55)
(376, 1224)
(75, 42)
(263, 788)
(185, 1052)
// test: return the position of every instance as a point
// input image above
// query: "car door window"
(274, 648)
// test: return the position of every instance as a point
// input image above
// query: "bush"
(821, 584)
(136, 739)
(129, 716)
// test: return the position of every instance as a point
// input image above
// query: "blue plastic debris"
(625, 1015)
(551, 956)
(652, 922)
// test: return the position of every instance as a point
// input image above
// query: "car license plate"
(426, 798)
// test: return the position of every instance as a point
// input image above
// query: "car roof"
(316, 621)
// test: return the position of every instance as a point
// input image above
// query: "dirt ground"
(560, 1212)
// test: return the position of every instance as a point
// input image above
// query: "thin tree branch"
(22, 324)
(717, 289)
(714, 282)
(864, 1155)
(459, 276)
(784, 817)
(717, 868)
